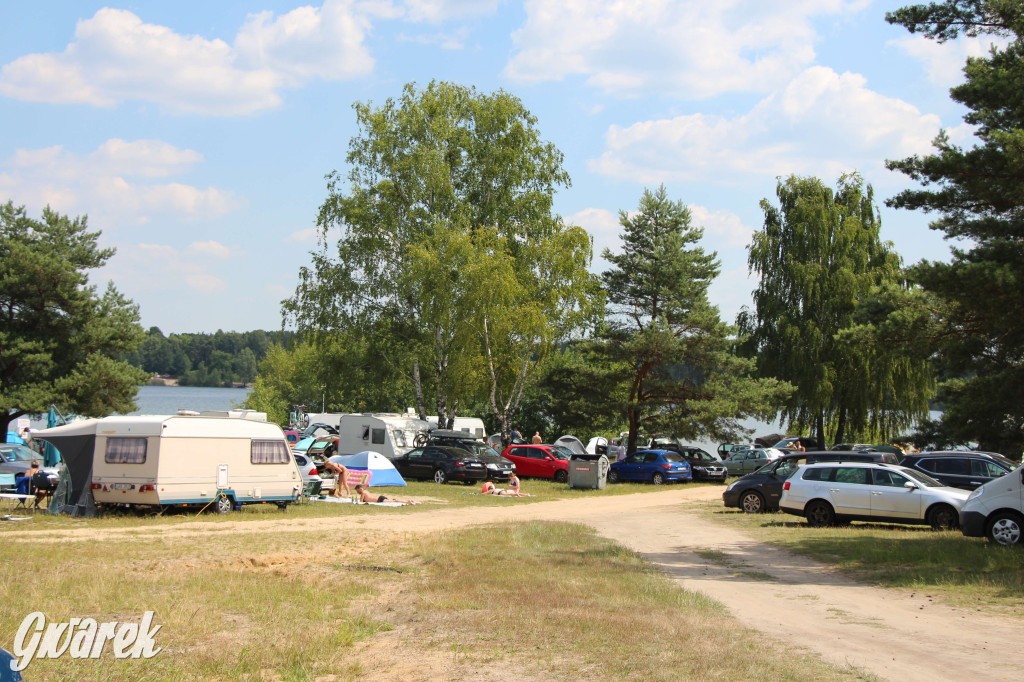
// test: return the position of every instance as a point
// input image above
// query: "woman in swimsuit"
(513, 487)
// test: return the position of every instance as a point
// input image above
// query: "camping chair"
(14, 496)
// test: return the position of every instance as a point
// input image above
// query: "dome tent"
(379, 469)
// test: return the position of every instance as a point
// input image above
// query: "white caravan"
(389, 434)
(471, 425)
(186, 460)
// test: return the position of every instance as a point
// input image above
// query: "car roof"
(865, 465)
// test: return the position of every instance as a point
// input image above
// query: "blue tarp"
(12, 437)
(303, 444)
(382, 471)
(51, 455)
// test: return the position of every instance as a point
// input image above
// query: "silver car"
(828, 492)
(16, 459)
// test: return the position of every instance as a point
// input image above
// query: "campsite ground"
(403, 619)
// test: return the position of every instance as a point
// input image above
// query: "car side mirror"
(910, 485)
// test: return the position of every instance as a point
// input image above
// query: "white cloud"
(691, 48)
(721, 228)
(821, 123)
(149, 268)
(116, 57)
(944, 62)
(112, 184)
(436, 11)
(209, 248)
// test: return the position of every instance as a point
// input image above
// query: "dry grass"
(533, 601)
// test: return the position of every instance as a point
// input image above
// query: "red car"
(539, 461)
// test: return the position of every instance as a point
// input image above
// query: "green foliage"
(825, 278)
(667, 358)
(60, 341)
(448, 250)
(978, 195)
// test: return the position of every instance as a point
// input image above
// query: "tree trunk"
(420, 406)
(841, 426)
(819, 427)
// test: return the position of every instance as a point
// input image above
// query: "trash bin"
(588, 471)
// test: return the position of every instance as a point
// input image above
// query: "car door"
(891, 498)
(850, 491)
(630, 469)
(755, 460)
(983, 471)
(952, 471)
(408, 465)
(526, 463)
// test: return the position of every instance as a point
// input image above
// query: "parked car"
(539, 461)
(495, 441)
(744, 461)
(861, 491)
(312, 484)
(966, 470)
(761, 490)
(996, 510)
(317, 430)
(498, 468)
(443, 464)
(703, 465)
(322, 449)
(656, 466)
(16, 459)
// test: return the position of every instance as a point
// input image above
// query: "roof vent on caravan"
(187, 413)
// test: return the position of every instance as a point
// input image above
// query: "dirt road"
(894, 634)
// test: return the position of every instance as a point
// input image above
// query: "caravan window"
(366, 433)
(378, 437)
(269, 452)
(125, 451)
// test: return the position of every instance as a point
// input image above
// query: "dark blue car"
(656, 466)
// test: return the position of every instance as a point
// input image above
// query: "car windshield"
(924, 479)
(18, 453)
(702, 455)
(561, 452)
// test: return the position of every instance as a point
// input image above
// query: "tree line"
(218, 359)
(454, 287)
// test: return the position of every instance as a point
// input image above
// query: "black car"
(760, 490)
(498, 468)
(442, 464)
(703, 465)
(967, 470)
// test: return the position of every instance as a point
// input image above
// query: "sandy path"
(894, 634)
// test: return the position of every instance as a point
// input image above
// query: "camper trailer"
(391, 435)
(471, 425)
(187, 460)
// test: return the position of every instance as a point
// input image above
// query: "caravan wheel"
(224, 504)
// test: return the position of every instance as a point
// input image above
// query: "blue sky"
(196, 135)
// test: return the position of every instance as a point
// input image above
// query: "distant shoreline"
(162, 381)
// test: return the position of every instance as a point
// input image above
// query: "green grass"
(968, 572)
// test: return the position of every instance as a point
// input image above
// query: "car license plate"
(123, 486)
(474, 466)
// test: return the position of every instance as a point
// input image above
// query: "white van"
(186, 460)
(996, 510)
(471, 425)
(389, 434)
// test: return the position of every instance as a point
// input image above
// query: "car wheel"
(657, 479)
(943, 517)
(440, 476)
(613, 476)
(561, 476)
(283, 506)
(1005, 528)
(752, 502)
(819, 514)
(223, 505)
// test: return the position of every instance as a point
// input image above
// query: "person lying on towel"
(366, 496)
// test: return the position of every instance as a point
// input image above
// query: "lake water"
(170, 399)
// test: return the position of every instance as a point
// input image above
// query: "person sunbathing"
(514, 489)
(489, 488)
(366, 496)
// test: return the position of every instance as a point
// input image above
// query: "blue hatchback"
(656, 466)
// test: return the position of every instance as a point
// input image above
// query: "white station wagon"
(867, 491)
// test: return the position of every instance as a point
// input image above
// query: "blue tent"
(12, 437)
(379, 469)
